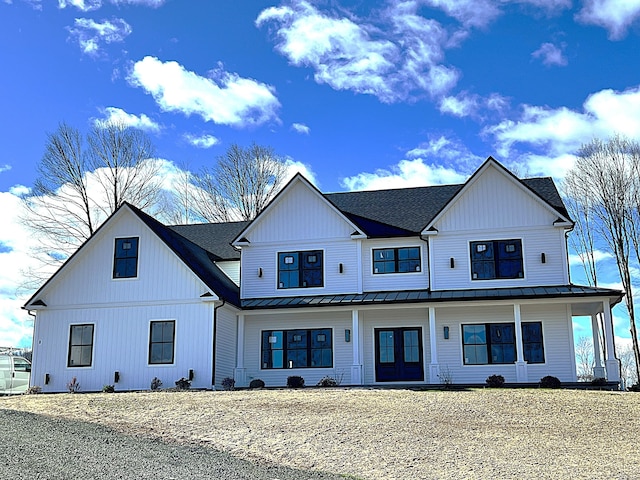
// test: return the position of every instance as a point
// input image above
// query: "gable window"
(496, 259)
(80, 346)
(310, 348)
(161, 342)
(396, 260)
(494, 343)
(300, 269)
(125, 263)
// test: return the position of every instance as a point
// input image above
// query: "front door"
(399, 354)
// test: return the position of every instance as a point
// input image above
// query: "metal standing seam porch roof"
(427, 296)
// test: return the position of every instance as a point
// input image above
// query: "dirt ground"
(384, 434)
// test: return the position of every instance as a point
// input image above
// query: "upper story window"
(396, 260)
(125, 263)
(80, 346)
(496, 259)
(300, 269)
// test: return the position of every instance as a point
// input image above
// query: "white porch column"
(521, 365)
(240, 373)
(434, 368)
(598, 369)
(612, 364)
(356, 367)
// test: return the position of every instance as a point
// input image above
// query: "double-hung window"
(301, 348)
(300, 269)
(496, 259)
(161, 342)
(80, 346)
(125, 262)
(396, 260)
(495, 343)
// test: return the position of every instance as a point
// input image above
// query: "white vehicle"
(14, 374)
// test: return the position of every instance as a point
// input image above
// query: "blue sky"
(356, 94)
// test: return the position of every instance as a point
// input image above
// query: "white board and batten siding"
(88, 278)
(300, 220)
(373, 282)
(121, 343)
(557, 336)
(495, 207)
(337, 321)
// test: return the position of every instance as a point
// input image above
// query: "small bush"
(327, 382)
(108, 389)
(495, 381)
(550, 382)
(73, 386)
(256, 383)
(34, 390)
(295, 381)
(183, 384)
(156, 383)
(228, 383)
(599, 382)
(634, 388)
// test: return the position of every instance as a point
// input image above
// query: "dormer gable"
(494, 198)
(299, 212)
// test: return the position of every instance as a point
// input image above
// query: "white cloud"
(201, 141)
(466, 104)
(91, 34)
(471, 13)
(19, 190)
(113, 114)
(294, 167)
(395, 56)
(90, 5)
(562, 131)
(5, 168)
(616, 16)
(301, 128)
(551, 55)
(575, 260)
(224, 98)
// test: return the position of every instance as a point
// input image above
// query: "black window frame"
(300, 348)
(162, 342)
(498, 261)
(307, 269)
(82, 345)
(123, 257)
(395, 260)
(530, 340)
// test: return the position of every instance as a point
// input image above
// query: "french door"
(399, 354)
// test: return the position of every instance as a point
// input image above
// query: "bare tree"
(240, 185)
(627, 365)
(82, 181)
(605, 183)
(584, 359)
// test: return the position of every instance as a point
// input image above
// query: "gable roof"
(216, 238)
(195, 257)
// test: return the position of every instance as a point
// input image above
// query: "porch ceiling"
(426, 296)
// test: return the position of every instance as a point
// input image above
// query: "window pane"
(75, 356)
(87, 334)
(475, 355)
(76, 334)
(86, 355)
(277, 358)
(167, 332)
(386, 343)
(156, 353)
(474, 334)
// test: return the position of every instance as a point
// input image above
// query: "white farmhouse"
(409, 286)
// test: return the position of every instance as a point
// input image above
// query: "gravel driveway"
(35, 446)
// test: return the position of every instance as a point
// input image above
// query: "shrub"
(183, 384)
(495, 381)
(73, 386)
(34, 390)
(550, 382)
(295, 381)
(108, 389)
(327, 382)
(228, 383)
(599, 382)
(256, 383)
(446, 377)
(156, 383)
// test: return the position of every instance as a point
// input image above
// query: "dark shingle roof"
(411, 209)
(214, 237)
(199, 260)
